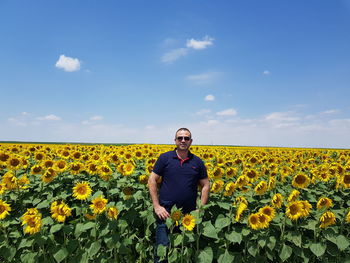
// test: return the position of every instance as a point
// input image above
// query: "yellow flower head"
(264, 220)
(217, 186)
(327, 219)
(112, 212)
(188, 222)
(324, 202)
(277, 200)
(143, 179)
(32, 221)
(4, 209)
(82, 190)
(293, 196)
(241, 208)
(301, 181)
(98, 205)
(347, 219)
(253, 221)
(294, 210)
(176, 216)
(269, 211)
(261, 188)
(60, 211)
(49, 175)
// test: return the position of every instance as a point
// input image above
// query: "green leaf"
(311, 225)
(222, 221)
(94, 248)
(271, 242)
(178, 240)
(55, 228)
(262, 242)
(43, 204)
(224, 205)
(253, 249)
(342, 242)
(286, 252)
(245, 232)
(161, 251)
(296, 238)
(226, 257)
(209, 230)
(61, 254)
(25, 243)
(174, 256)
(29, 257)
(206, 255)
(72, 245)
(234, 237)
(318, 249)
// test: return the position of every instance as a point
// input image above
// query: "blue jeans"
(162, 231)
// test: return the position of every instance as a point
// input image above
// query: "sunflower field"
(90, 203)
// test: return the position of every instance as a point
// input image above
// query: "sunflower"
(306, 207)
(49, 175)
(60, 166)
(112, 212)
(60, 211)
(269, 211)
(324, 202)
(14, 162)
(347, 218)
(76, 168)
(231, 172)
(253, 221)
(176, 216)
(4, 209)
(128, 169)
(241, 181)
(327, 219)
(36, 169)
(261, 188)
(229, 188)
(277, 200)
(10, 180)
(264, 220)
(293, 195)
(81, 191)
(241, 199)
(271, 183)
(294, 210)
(143, 179)
(32, 221)
(251, 175)
(217, 186)
(217, 173)
(48, 163)
(241, 208)
(301, 181)
(344, 180)
(98, 205)
(188, 222)
(2, 188)
(90, 216)
(22, 182)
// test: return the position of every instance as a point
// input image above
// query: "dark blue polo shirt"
(179, 180)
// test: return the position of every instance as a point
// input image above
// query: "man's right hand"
(161, 212)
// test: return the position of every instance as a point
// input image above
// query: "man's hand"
(161, 212)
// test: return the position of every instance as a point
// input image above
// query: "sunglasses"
(186, 138)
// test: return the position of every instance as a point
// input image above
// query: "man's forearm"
(152, 186)
(205, 194)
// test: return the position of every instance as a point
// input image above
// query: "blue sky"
(235, 72)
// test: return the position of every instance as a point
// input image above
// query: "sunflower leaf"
(342, 242)
(318, 249)
(206, 255)
(286, 252)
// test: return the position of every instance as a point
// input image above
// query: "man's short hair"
(183, 129)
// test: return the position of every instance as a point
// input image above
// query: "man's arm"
(204, 183)
(152, 186)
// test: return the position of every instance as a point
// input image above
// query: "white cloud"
(228, 112)
(203, 78)
(96, 118)
(174, 55)
(202, 112)
(327, 112)
(209, 97)
(266, 72)
(200, 44)
(50, 117)
(282, 116)
(68, 64)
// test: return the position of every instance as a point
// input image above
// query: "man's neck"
(182, 153)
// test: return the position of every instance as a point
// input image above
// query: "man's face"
(183, 140)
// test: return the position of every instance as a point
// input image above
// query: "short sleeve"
(203, 171)
(158, 167)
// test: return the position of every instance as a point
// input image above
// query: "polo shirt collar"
(189, 155)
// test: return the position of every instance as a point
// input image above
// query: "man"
(181, 173)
